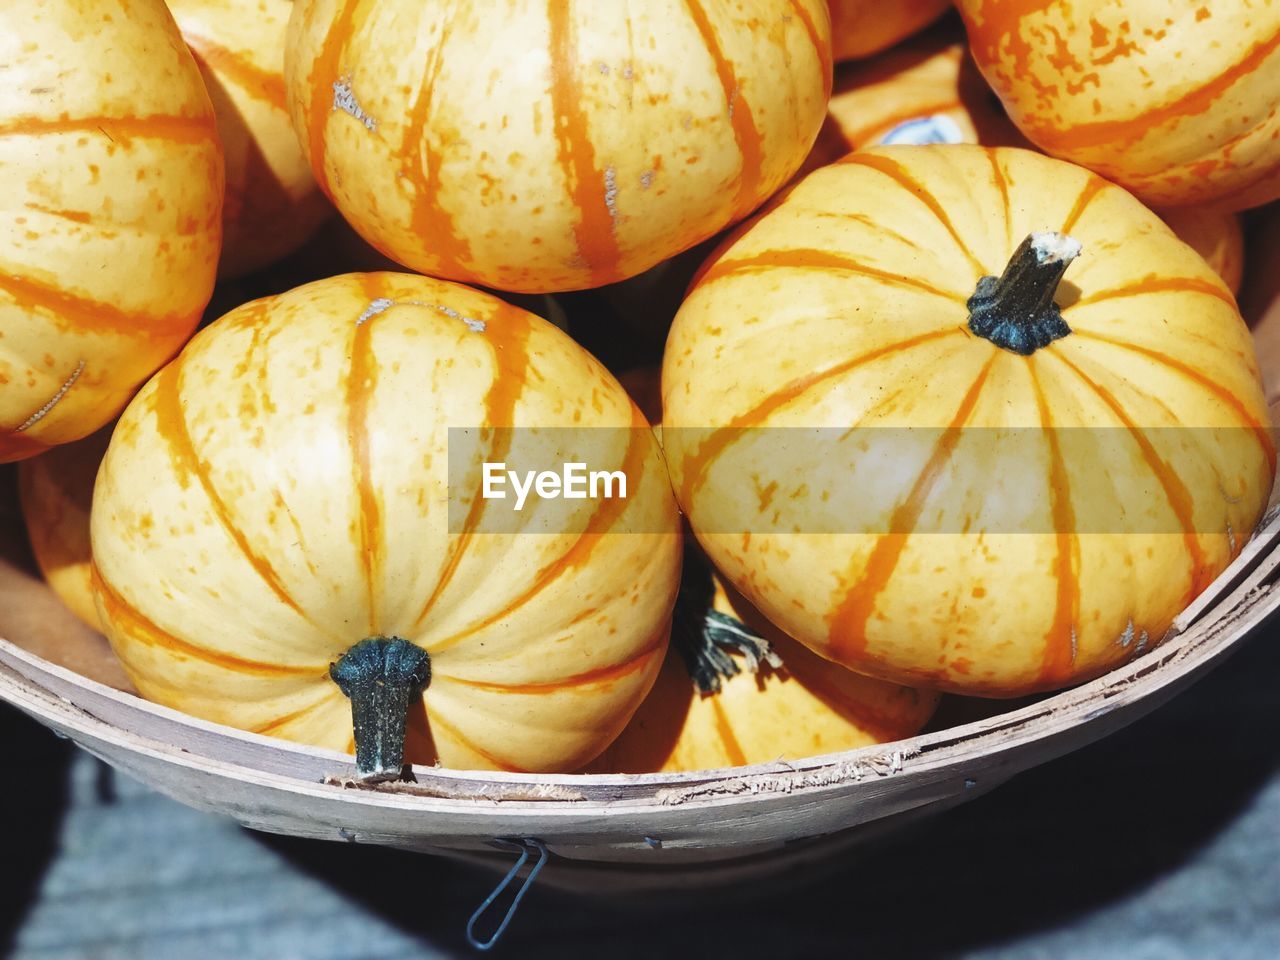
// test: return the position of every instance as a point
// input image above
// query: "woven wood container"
(655, 832)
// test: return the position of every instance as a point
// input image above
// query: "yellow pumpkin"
(735, 690)
(863, 27)
(56, 490)
(1066, 467)
(272, 202)
(925, 90)
(1177, 101)
(307, 504)
(537, 147)
(928, 90)
(1215, 235)
(109, 233)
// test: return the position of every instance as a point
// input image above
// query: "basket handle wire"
(526, 846)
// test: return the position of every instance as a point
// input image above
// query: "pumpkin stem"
(1016, 310)
(380, 675)
(705, 637)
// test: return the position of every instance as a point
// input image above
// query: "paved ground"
(1162, 842)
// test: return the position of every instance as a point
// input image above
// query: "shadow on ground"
(32, 802)
(1053, 845)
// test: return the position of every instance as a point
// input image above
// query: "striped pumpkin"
(862, 301)
(272, 202)
(288, 487)
(860, 28)
(927, 90)
(109, 236)
(759, 696)
(1179, 101)
(56, 490)
(535, 146)
(1214, 234)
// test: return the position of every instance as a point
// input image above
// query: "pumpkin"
(313, 530)
(735, 690)
(56, 490)
(1215, 235)
(548, 147)
(863, 27)
(925, 90)
(110, 161)
(916, 453)
(1179, 102)
(272, 203)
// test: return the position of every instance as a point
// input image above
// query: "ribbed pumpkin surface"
(863, 27)
(56, 491)
(295, 464)
(109, 220)
(806, 707)
(1177, 100)
(1214, 234)
(924, 78)
(272, 204)
(927, 90)
(537, 146)
(846, 307)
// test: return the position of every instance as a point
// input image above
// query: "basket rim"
(1236, 602)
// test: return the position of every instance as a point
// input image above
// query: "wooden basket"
(653, 832)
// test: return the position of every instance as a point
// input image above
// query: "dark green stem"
(1016, 310)
(381, 675)
(706, 638)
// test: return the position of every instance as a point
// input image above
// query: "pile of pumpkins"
(920, 247)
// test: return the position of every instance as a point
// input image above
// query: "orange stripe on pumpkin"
(235, 65)
(898, 173)
(178, 129)
(76, 216)
(271, 726)
(848, 627)
(606, 674)
(420, 166)
(1080, 135)
(1060, 648)
(1180, 500)
(139, 628)
(696, 464)
(1260, 431)
(602, 518)
(1154, 284)
(595, 230)
(1002, 185)
(818, 677)
(728, 741)
(449, 730)
(171, 425)
(83, 314)
(878, 226)
(745, 132)
(799, 259)
(507, 332)
(1092, 187)
(325, 72)
(362, 380)
(823, 50)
